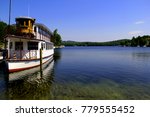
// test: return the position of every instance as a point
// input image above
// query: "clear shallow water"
(85, 73)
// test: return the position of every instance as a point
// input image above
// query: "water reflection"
(85, 73)
(57, 55)
(3, 80)
(31, 84)
(141, 55)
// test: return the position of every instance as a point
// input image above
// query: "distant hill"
(121, 42)
(135, 41)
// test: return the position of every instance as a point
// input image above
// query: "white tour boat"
(23, 49)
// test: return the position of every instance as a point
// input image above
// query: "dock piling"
(40, 57)
(41, 72)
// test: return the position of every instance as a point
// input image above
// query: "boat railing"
(23, 54)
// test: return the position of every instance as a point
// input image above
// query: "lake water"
(85, 73)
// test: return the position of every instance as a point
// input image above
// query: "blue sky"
(85, 20)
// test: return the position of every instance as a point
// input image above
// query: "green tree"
(56, 38)
(141, 41)
(12, 29)
(3, 31)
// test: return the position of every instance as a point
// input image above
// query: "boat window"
(27, 23)
(21, 23)
(32, 45)
(42, 46)
(40, 30)
(34, 29)
(18, 45)
(49, 46)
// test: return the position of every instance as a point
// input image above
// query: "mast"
(9, 12)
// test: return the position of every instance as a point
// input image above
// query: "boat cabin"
(24, 26)
(30, 38)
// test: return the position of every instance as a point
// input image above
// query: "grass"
(104, 90)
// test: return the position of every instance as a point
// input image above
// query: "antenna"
(9, 12)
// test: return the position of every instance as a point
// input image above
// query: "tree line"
(141, 41)
(110, 43)
(135, 41)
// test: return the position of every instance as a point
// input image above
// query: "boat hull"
(33, 74)
(19, 65)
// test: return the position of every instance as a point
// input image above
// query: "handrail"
(23, 54)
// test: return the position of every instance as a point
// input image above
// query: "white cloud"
(139, 22)
(135, 32)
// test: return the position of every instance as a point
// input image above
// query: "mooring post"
(41, 72)
(41, 59)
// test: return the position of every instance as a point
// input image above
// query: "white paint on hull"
(30, 73)
(20, 65)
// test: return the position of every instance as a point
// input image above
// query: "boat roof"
(24, 17)
(42, 26)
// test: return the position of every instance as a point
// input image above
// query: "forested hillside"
(135, 41)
